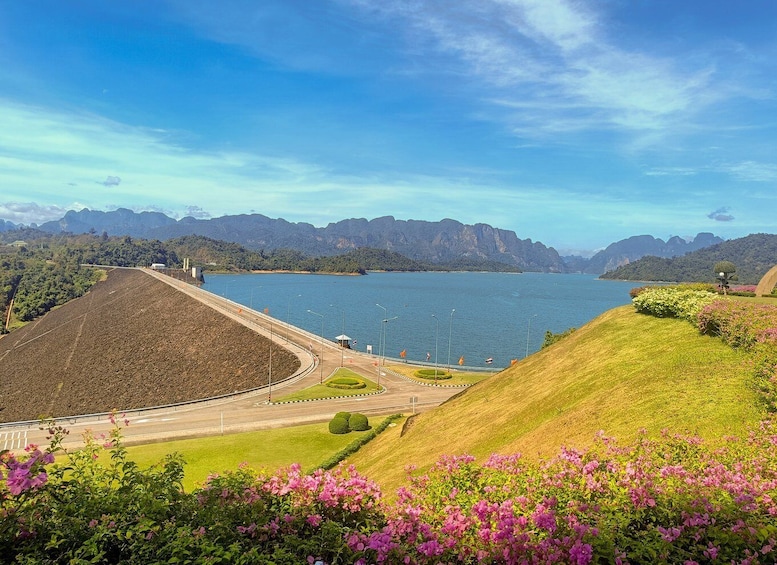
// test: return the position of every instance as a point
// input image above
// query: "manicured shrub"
(339, 426)
(704, 287)
(346, 383)
(672, 302)
(358, 422)
(637, 290)
(345, 415)
(356, 444)
(430, 374)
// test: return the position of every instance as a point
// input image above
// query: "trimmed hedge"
(430, 374)
(673, 302)
(359, 423)
(355, 445)
(345, 422)
(339, 426)
(346, 383)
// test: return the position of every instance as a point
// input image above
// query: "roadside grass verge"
(310, 445)
(458, 378)
(318, 391)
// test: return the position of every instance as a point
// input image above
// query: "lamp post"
(321, 360)
(288, 316)
(450, 334)
(381, 333)
(385, 323)
(528, 330)
(342, 347)
(436, 335)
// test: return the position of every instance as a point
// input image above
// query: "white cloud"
(671, 171)
(753, 171)
(28, 212)
(44, 154)
(111, 180)
(554, 60)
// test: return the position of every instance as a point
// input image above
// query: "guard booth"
(344, 341)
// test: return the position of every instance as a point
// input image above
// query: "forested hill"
(753, 256)
(39, 271)
(426, 242)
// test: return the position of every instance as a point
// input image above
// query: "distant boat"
(490, 360)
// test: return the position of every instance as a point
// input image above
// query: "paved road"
(253, 411)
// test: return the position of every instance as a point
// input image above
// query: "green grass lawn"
(620, 373)
(458, 378)
(322, 391)
(309, 445)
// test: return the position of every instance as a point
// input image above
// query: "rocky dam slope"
(131, 342)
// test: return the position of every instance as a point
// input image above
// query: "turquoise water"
(501, 316)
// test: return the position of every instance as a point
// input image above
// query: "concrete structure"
(767, 282)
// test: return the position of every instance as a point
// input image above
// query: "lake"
(478, 316)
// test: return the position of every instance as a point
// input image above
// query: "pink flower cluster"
(743, 288)
(672, 499)
(668, 498)
(25, 473)
(739, 323)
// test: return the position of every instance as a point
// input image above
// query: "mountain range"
(434, 242)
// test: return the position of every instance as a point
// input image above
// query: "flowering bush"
(738, 323)
(743, 290)
(673, 499)
(672, 302)
(752, 327)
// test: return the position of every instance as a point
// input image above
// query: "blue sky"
(576, 124)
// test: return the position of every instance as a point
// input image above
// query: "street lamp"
(450, 334)
(436, 335)
(381, 335)
(723, 281)
(321, 360)
(528, 330)
(385, 323)
(342, 347)
(288, 316)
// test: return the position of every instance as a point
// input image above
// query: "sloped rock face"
(628, 250)
(434, 242)
(131, 342)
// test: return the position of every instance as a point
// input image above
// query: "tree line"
(39, 270)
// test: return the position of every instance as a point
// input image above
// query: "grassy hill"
(620, 373)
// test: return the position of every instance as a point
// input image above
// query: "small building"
(344, 341)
